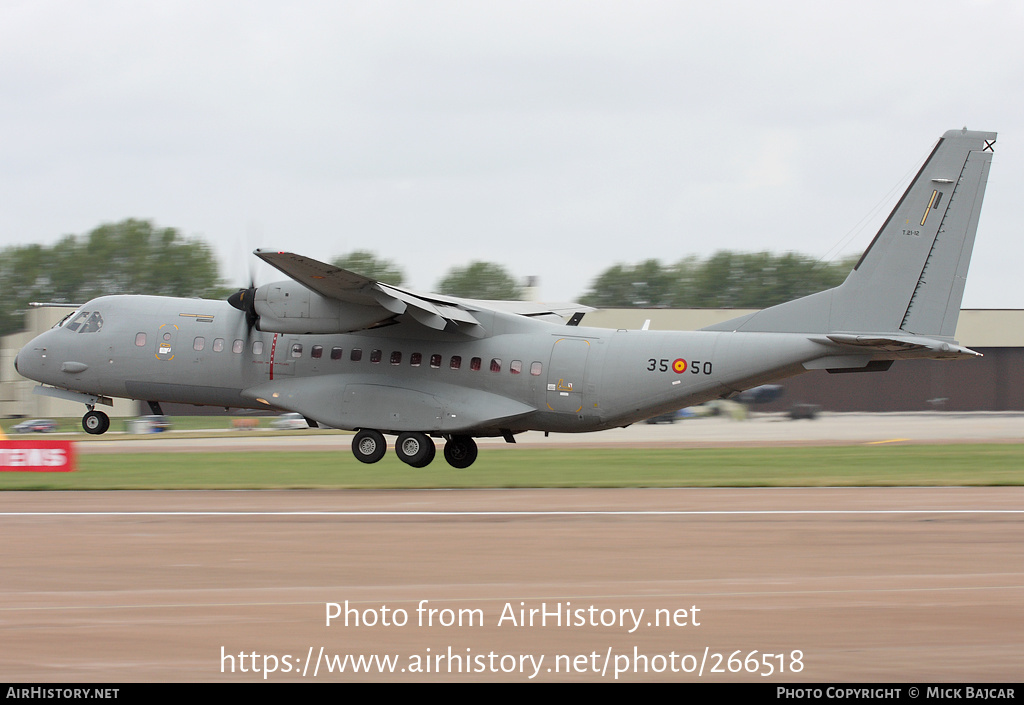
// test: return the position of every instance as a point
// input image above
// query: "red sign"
(37, 456)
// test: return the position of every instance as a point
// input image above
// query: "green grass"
(508, 466)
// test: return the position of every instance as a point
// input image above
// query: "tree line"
(724, 280)
(137, 257)
(130, 257)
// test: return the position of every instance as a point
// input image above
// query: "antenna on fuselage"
(576, 318)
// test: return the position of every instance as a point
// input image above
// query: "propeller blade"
(245, 300)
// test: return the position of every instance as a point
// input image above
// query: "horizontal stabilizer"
(913, 346)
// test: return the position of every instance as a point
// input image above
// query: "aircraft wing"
(435, 311)
(324, 279)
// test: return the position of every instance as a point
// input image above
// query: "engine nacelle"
(289, 307)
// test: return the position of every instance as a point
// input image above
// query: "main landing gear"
(95, 422)
(413, 448)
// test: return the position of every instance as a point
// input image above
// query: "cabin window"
(356, 355)
(396, 357)
(296, 349)
(536, 368)
(199, 343)
(435, 361)
(416, 359)
(495, 364)
(218, 345)
(140, 339)
(335, 353)
(316, 352)
(257, 347)
(375, 356)
(515, 367)
(474, 364)
(237, 346)
(456, 362)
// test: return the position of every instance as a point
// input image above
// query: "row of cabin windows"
(416, 359)
(200, 343)
(356, 354)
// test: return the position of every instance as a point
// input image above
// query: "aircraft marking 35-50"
(353, 353)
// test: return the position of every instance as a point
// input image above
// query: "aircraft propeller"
(245, 300)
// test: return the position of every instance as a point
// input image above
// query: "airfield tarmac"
(828, 584)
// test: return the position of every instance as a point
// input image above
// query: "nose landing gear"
(95, 422)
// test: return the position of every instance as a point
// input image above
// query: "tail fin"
(911, 278)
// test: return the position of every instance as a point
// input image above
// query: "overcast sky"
(555, 138)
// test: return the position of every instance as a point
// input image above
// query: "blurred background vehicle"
(289, 421)
(154, 423)
(35, 426)
(735, 406)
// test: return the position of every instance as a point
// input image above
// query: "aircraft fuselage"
(527, 375)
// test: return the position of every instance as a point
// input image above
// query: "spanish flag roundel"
(679, 365)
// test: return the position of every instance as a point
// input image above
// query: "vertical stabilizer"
(911, 277)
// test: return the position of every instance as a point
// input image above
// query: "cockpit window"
(94, 323)
(61, 322)
(86, 322)
(75, 324)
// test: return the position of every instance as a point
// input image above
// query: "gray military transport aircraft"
(353, 353)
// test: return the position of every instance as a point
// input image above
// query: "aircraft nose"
(30, 360)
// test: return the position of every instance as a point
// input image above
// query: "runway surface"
(872, 584)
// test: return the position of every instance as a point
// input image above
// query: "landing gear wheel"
(460, 451)
(415, 449)
(95, 422)
(369, 446)
(431, 452)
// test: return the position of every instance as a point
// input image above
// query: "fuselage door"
(284, 353)
(566, 373)
(166, 342)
